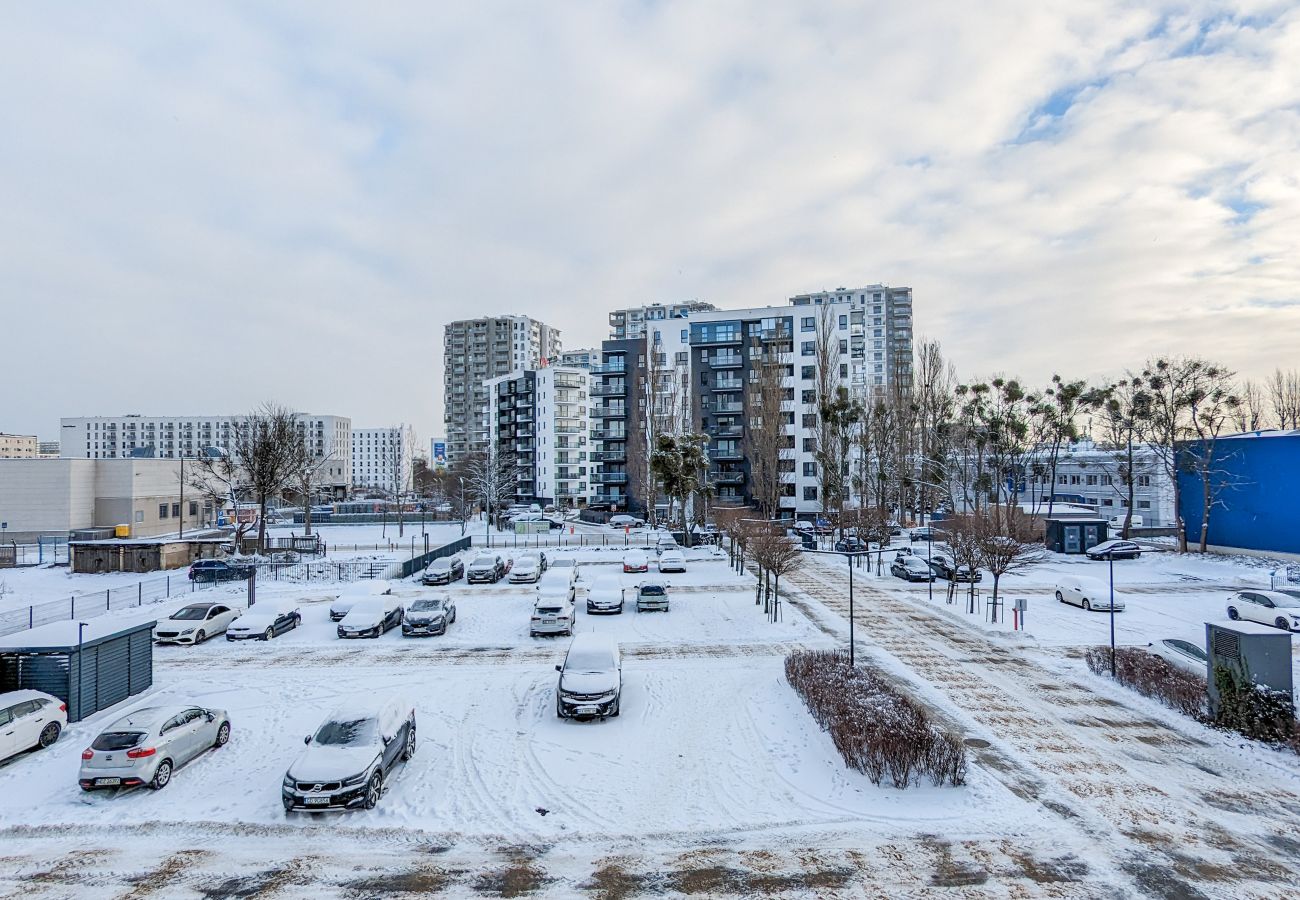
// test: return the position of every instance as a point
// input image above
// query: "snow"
(65, 634)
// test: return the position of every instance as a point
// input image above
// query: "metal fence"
(45, 550)
(640, 540)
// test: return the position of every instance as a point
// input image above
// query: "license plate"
(107, 782)
(587, 710)
(318, 801)
(548, 621)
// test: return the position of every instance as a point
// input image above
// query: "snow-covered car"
(30, 719)
(625, 521)
(672, 561)
(526, 570)
(443, 571)
(551, 615)
(538, 555)
(195, 623)
(485, 568)
(264, 621)
(636, 561)
(356, 591)
(1181, 655)
(605, 595)
(652, 594)
(1114, 549)
(429, 615)
(591, 678)
(146, 746)
(350, 757)
(560, 577)
(1267, 608)
(925, 533)
(1088, 593)
(371, 617)
(911, 568)
(664, 543)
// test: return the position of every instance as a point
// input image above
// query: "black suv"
(214, 570)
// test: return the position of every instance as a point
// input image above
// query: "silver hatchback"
(148, 745)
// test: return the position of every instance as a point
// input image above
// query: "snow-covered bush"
(1152, 676)
(876, 729)
(1254, 710)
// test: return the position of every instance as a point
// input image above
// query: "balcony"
(609, 411)
(608, 434)
(776, 334)
(524, 431)
(733, 361)
(730, 384)
(728, 477)
(717, 338)
(728, 455)
(618, 389)
(609, 456)
(724, 407)
(608, 369)
(609, 478)
(725, 431)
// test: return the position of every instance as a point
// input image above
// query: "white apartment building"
(382, 458)
(582, 359)
(1090, 475)
(170, 437)
(476, 351)
(635, 321)
(540, 419)
(19, 446)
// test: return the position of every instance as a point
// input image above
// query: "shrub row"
(1152, 676)
(877, 730)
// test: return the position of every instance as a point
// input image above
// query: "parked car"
(605, 595)
(147, 746)
(264, 621)
(672, 561)
(561, 577)
(965, 574)
(850, 545)
(591, 678)
(1181, 655)
(652, 595)
(350, 757)
(358, 590)
(943, 565)
(803, 525)
(371, 617)
(30, 719)
(1116, 549)
(911, 568)
(1118, 521)
(664, 543)
(551, 615)
(526, 570)
(540, 556)
(636, 561)
(209, 571)
(429, 615)
(1267, 608)
(924, 534)
(486, 568)
(195, 623)
(1086, 592)
(624, 521)
(443, 571)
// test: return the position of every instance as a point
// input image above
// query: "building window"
(844, 347)
(1144, 481)
(1092, 479)
(807, 324)
(809, 469)
(139, 515)
(809, 420)
(808, 373)
(162, 510)
(810, 492)
(807, 348)
(844, 322)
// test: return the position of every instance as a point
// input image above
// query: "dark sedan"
(444, 571)
(1114, 550)
(206, 571)
(911, 568)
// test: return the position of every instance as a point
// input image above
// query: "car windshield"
(427, 605)
(563, 564)
(117, 740)
(439, 565)
(588, 661)
(485, 561)
(190, 613)
(1290, 592)
(349, 732)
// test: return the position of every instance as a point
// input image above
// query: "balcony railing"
(609, 411)
(725, 431)
(724, 407)
(609, 478)
(608, 434)
(608, 369)
(609, 390)
(734, 361)
(728, 477)
(707, 339)
(732, 384)
(609, 456)
(726, 455)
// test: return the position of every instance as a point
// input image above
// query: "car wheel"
(1087, 605)
(223, 736)
(162, 775)
(373, 790)
(49, 734)
(559, 709)
(409, 750)
(200, 637)
(268, 634)
(1232, 613)
(1059, 598)
(1282, 623)
(617, 707)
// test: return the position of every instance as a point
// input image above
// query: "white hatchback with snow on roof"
(30, 719)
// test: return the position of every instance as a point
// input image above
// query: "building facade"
(19, 446)
(475, 351)
(1089, 475)
(539, 419)
(636, 321)
(329, 439)
(383, 459)
(55, 496)
(581, 359)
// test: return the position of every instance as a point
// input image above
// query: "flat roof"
(1243, 627)
(154, 541)
(63, 635)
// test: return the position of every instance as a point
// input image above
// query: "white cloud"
(195, 203)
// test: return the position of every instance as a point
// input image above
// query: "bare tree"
(305, 470)
(833, 411)
(397, 460)
(1283, 389)
(1123, 407)
(765, 439)
(776, 555)
(936, 382)
(216, 477)
(1212, 407)
(1007, 544)
(491, 478)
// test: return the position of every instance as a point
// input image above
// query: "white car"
(551, 615)
(672, 561)
(372, 617)
(605, 595)
(1088, 593)
(526, 570)
(356, 591)
(265, 621)
(622, 521)
(636, 561)
(195, 623)
(30, 719)
(1182, 655)
(560, 577)
(1267, 608)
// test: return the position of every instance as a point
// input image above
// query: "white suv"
(552, 615)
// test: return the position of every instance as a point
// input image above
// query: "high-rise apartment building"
(539, 420)
(476, 351)
(635, 321)
(329, 438)
(382, 458)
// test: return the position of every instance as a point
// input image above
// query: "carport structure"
(88, 665)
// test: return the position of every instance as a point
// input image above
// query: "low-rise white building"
(382, 458)
(1096, 477)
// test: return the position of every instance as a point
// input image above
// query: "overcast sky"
(206, 206)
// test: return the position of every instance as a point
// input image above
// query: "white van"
(1086, 592)
(591, 679)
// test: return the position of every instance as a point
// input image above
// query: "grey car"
(147, 746)
(429, 615)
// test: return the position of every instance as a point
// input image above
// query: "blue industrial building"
(1257, 483)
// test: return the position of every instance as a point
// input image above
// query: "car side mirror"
(211, 717)
(307, 739)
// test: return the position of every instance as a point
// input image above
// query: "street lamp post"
(850, 557)
(1110, 556)
(462, 507)
(182, 507)
(928, 550)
